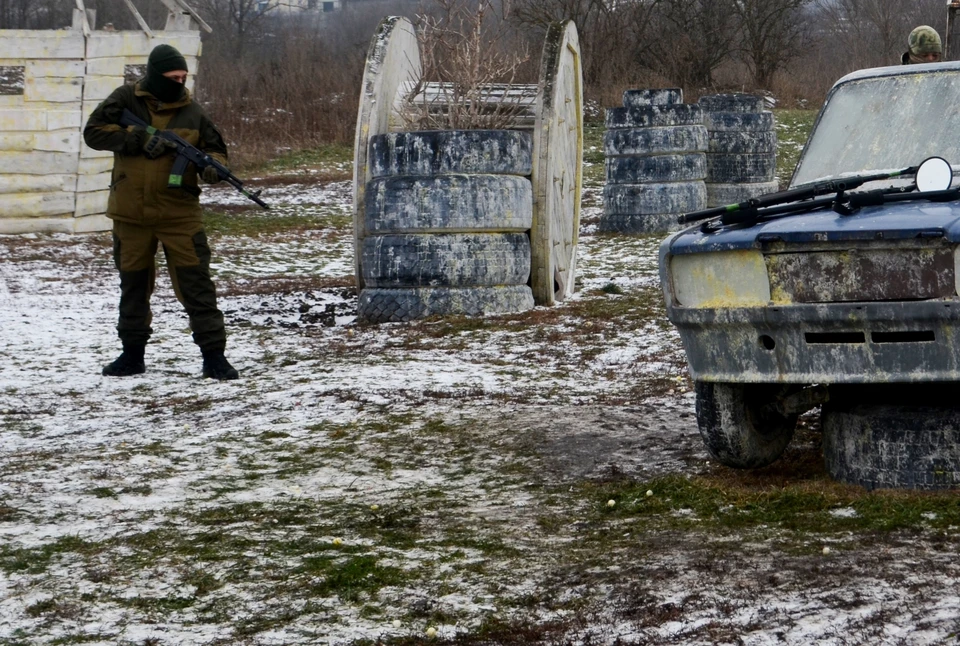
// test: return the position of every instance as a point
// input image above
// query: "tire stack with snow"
(741, 148)
(446, 227)
(655, 162)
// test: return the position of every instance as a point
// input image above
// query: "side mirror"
(934, 174)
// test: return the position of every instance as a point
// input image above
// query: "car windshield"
(885, 123)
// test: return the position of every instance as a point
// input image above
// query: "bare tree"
(773, 33)
(236, 22)
(694, 37)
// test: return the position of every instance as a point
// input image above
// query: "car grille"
(832, 276)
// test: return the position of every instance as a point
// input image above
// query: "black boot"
(130, 362)
(216, 366)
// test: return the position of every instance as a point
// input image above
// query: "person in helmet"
(924, 46)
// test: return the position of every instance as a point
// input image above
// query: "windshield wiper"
(748, 210)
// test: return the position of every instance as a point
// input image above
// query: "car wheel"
(739, 426)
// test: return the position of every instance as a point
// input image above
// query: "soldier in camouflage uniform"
(146, 213)
(924, 46)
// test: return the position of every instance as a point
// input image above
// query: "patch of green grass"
(793, 129)
(311, 158)
(593, 157)
(256, 223)
(350, 579)
(732, 504)
(35, 560)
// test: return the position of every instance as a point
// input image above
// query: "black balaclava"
(164, 58)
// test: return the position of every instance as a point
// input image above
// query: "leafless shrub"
(469, 74)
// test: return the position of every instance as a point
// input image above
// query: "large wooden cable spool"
(557, 166)
(393, 57)
(393, 64)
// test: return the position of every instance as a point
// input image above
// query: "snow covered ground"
(363, 485)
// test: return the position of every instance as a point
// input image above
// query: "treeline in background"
(276, 76)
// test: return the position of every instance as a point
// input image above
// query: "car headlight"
(720, 279)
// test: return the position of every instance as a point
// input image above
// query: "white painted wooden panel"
(95, 165)
(23, 44)
(98, 182)
(112, 66)
(38, 163)
(36, 183)
(53, 90)
(53, 68)
(86, 152)
(32, 205)
(67, 117)
(136, 43)
(19, 120)
(63, 141)
(93, 202)
(8, 101)
(91, 223)
(62, 224)
(97, 88)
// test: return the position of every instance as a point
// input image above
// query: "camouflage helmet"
(924, 40)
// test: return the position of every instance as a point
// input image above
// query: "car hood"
(897, 221)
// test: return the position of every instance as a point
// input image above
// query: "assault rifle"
(187, 154)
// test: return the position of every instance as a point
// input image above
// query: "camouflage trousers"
(188, 261)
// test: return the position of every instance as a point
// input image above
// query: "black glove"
(156, 146)
(210, 175)
(136, 138)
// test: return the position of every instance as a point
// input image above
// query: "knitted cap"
(165, 58)
(924, 40)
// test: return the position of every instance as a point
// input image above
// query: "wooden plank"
(38, 163)
(92, 202)
(86, 152)
(64, 141)
(32, 205)
(36, 183)
(52, 68)
(20, 120)
(61, 119)
(134, 43)
(97, 88)
(11, 101)
(53, 90)
(94, 166)
(64, 224)
(140, 20)
(111, 66)
(27, 44)
(98, 182)
(91, 223)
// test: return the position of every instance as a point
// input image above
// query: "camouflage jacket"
(138, 185)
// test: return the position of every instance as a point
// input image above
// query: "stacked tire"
(655, 161)
(741, 148)
(446, 225)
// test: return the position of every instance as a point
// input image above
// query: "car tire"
(731, 141)
(737, 426)
(901, 446)
(436, 152)
(656, 168)
(724, 194)
(654, 197)
(738, 121)
(647, 97)
(677, 114)
(446, 260)
(736, 102)
(741, 169)
(655, 141)
(413, 303)
(447, 203)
